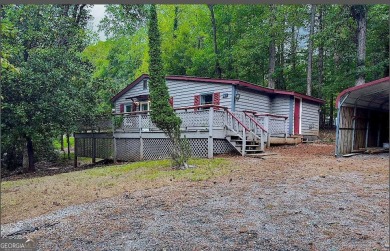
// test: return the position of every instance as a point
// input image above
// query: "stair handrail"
(238, 121)
(254, 121)
(262, 130)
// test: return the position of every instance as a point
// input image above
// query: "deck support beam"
(93, 148)
(210, 143)
(75, 152)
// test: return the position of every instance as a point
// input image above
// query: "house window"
(145, 84)
(128, 108)
(206, 99)
(144, 106)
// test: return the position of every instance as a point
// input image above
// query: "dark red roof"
(358, 87)
(221, 81)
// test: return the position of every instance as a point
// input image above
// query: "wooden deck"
(210, 130)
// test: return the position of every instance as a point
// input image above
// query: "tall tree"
(218, 69)
(162, 114)
(359, 14)
(50, 78)
(272, 49)
(310, 50)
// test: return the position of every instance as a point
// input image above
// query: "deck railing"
(201, 117)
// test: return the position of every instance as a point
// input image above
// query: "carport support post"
(379, 136)
(338, 119)
(367, 129)
(353, 127)
(210, 150)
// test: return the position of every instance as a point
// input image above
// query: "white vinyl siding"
(310, 118)
(280, 105)
(254, 101)
(138, 89)
(183, 92)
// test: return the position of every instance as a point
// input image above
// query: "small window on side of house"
(128, 108)
(145, 84)
(206, 99)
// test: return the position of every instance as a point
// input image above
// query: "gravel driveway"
(315, 202)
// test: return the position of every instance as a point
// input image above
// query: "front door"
(297, 116)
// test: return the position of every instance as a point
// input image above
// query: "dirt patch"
(303, 198)
(45, 168)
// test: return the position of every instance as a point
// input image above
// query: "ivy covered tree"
(162, 114)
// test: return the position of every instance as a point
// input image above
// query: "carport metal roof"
(372, 95)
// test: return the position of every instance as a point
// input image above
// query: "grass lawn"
(57, 143)
(32, 197)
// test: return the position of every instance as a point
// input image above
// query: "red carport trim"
(354, 88)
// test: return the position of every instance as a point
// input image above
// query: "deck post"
(285, 129)
(141, 141)
(75, 150)
(93, 148)
(266, 125)
(114, 146)
(243, 141)
(210, 150)
(262, 140)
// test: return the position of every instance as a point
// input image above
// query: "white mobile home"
(218, 116)
(302, 110)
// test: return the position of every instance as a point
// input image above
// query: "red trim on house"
(119, 94)
(222, 81)
(354, 88)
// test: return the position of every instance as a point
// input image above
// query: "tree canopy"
(54, 72)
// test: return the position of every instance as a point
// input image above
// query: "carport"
(362, 117)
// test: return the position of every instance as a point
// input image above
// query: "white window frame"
(143, 103)
(131, 107)
(202, 98)
(145, 84)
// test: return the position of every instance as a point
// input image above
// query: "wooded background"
(55, 71)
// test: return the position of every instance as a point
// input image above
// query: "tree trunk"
(272, 50)
(30, 153)
(281, 67)
(359, 13)
(293, 49)
(25, 158)
(310, 51)
(218, 69)
(175, 21)
(62, 142)
(331, 111)
(321, 55)
(68, 141)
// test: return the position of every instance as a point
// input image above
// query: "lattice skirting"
(130, 149)
(222, 146)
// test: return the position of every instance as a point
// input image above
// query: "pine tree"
(162, 114)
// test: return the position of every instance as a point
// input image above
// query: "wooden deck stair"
(251, 146)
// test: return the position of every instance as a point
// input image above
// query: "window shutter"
(134, 107)
(121, 108)
(216, 99)
(196, 101)
(171, 101)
